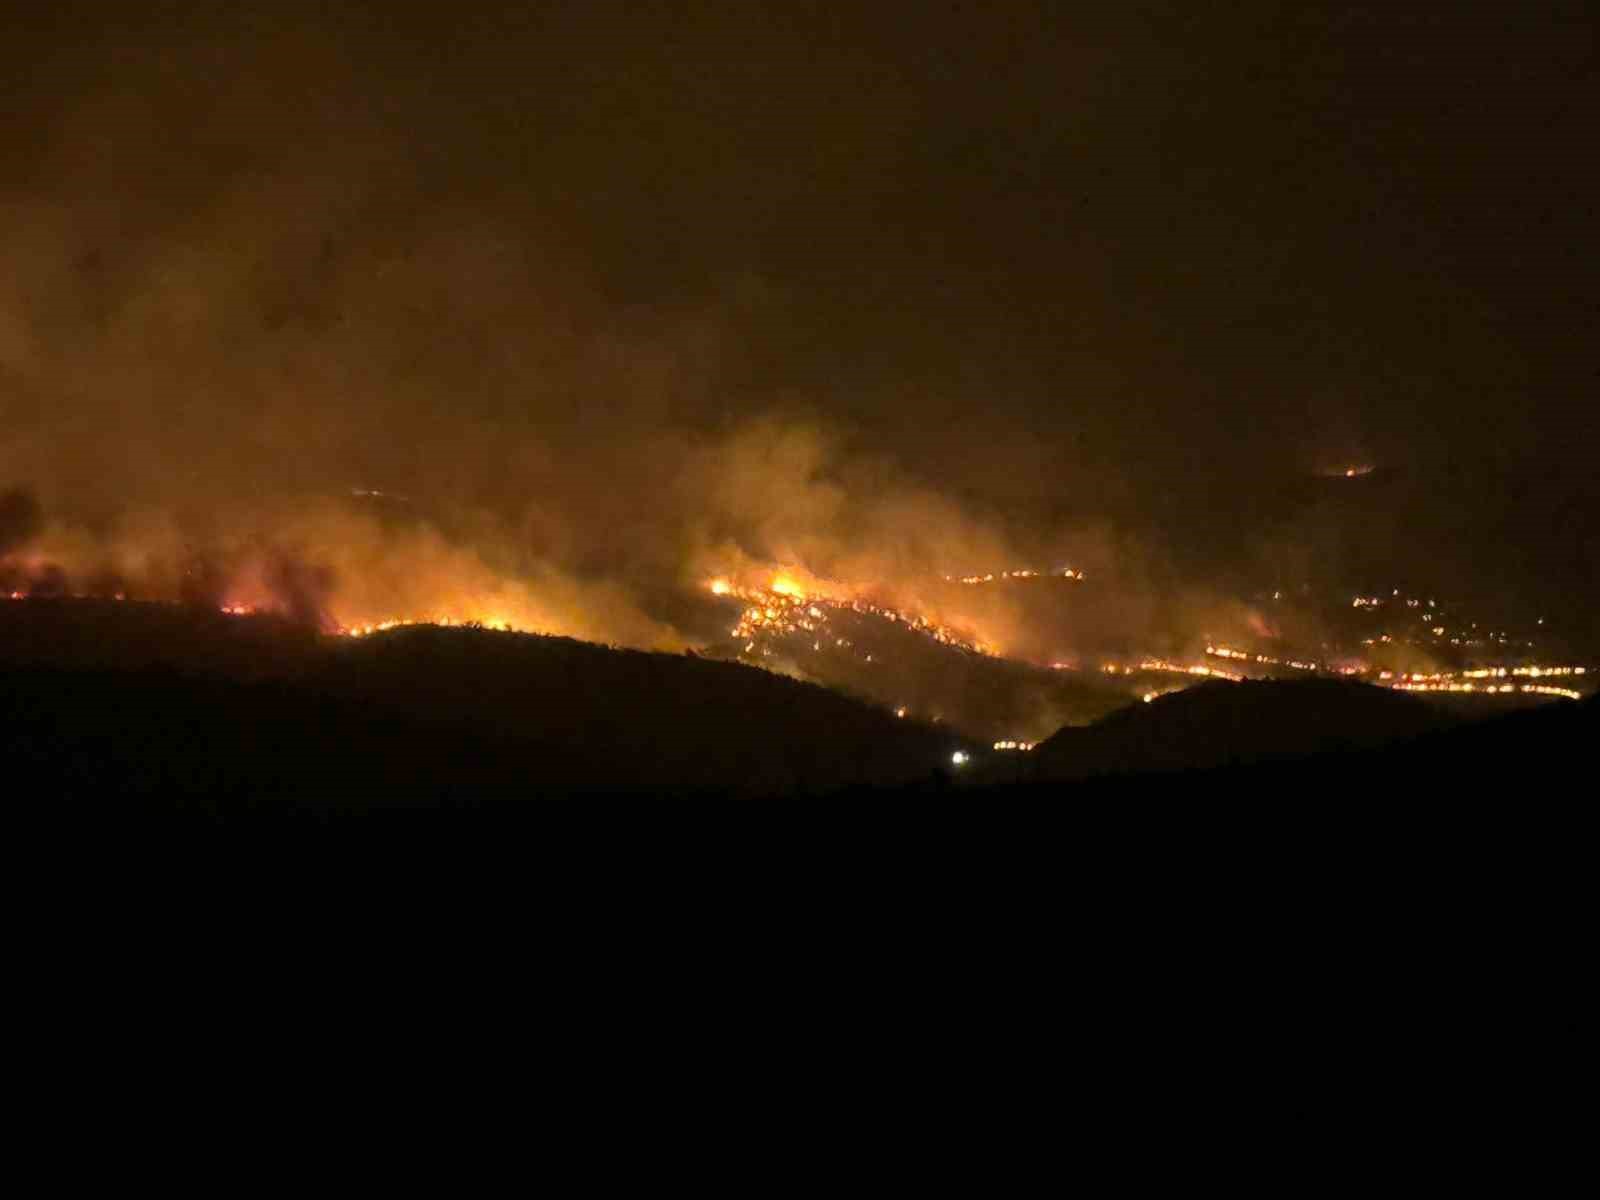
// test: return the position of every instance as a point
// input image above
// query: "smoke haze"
(538, 316)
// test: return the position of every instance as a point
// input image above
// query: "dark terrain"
(1324, 885)
(1221, 724)
(240, 712)
(111, 707)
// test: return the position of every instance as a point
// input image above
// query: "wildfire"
(1161, 664)
(1463, 682)
(804, 612)
(786, 607)
(491, 623)
(1241, 656)
(1020, 573)
(1531, 689)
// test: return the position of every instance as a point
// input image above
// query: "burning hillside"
(1004, 369)
(1007, 656)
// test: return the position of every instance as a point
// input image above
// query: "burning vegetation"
(785, 609)
(976, 651)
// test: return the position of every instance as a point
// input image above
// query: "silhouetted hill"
(131, 635)
(1500, 771)
(231, 713)
(418, 715)
(652, 720)
(1220, 724)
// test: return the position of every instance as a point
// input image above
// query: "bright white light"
(959, 757)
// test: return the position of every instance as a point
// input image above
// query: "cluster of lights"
(1161, 664)
(1531, 689)
(1024, 573)
(1011, 745)
(1530, 672)
(1242, 656)
(1431, 613)
(1438, 681)
(1539, 689)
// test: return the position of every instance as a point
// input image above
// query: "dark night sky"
(1125, 266)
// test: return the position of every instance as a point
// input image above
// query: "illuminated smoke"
(246, 368)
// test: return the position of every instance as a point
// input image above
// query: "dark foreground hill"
(240, 715)
(1230, 724)
(1531, 770)
(94, 634)
(419, 716)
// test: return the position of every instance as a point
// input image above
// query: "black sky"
(1140, 265)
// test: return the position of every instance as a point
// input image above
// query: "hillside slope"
(417, 715)
(1225, 724)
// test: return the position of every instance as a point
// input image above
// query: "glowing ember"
(489, 623)
(1020, 573)
(1531, 689)
(1159, 664)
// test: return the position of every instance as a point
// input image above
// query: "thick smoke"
(357, 318)
(249, 362)
(20, 520)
